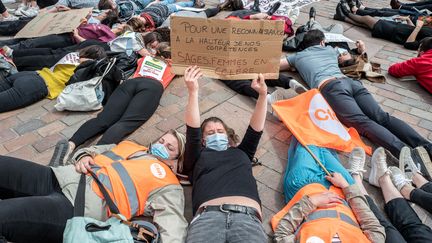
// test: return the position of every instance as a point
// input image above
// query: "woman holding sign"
(130, 105)
(225, 198)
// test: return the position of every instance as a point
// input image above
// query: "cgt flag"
(312, 121)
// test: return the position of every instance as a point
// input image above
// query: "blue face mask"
(159, 150)
(217, 141)
(341, 51)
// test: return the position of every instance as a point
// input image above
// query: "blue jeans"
(220, 227)
(172, 5)
(303, 170)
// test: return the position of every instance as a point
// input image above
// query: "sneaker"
(398, 178)
(10, 18)
(406, 163)
(379, 166)
(422, 161)
(7, 51)
(294, 14)
(62, 152)
(30, 12)
(272, 98)
(21, 7)
(356, 161)
(274, 8)
(297, 86)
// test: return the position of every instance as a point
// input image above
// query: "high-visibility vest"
(325, 223)
(129, 182)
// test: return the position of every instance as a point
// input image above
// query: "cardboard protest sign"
(53, 23)
(227, 49)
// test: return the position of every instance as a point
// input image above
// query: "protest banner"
(53, 23)
(227, 49)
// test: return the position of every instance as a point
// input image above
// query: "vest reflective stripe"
(129, 186)
(110, 154)
(105, 181)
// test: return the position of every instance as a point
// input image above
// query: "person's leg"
(363, 20)
(421, 195)
(340, 96)
(173, 7)
(26, 88)
(35, 218)
(245, 228)
(144, 102)
(374, 12)
(400, 213)
(45, 3)
(242, 87)
(398, 128)
(20, 178)
(208, 227)
(10, 28)
(37, 62)
(50, 41)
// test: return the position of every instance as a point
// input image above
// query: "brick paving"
(31, 133)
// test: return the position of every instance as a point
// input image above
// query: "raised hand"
(259, 85)
(191, 76)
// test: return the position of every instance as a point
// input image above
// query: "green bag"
(84, 229)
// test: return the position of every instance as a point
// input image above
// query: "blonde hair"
(181, 138)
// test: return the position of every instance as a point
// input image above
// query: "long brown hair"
(233, 138)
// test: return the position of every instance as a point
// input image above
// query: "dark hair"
(425, 44)
(165, 33)
(151, 37)
(136, 24)
(92, 52)
(111, 18)
(105, 4)
(164, 50)
(348, 62)
(233, 138)
(312, 38)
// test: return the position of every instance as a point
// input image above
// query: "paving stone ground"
(32, 132)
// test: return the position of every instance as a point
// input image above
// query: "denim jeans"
(355, 107)
(220, 227)
(303, 170)
(172, 5)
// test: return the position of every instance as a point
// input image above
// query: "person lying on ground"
(404, 34)
(417, 6)
(130, 105)
(220, 170)
(420, 67)
(125, 9)
(5, 16)
(321, 207)
(357, 7)
(37, 200)
(25, 88)
(397, 191)
(353, 104)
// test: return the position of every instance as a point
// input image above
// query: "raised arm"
(192, 115)
(259, 115)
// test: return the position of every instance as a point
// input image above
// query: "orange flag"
(312, 121)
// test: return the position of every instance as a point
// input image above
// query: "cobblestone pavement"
(32, 132)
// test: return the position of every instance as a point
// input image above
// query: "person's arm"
(369, 224)
(167, 208)
(405, 18)
(402, 69)
(287, 63)
(77, 37)
(414, 33)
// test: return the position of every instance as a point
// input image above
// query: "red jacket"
(419, 67)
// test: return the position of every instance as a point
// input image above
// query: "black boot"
(237, 5)
(339, 15)
(274, 8)
(256, 6)
(312, 13)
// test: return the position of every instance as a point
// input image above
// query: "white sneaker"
(406, 163)
(356, 161)
(10, 18)
(294, 14)
(379, 166)
(297, 86)
(30, 12)
(272, 98)
(398, 178)
(21, 7)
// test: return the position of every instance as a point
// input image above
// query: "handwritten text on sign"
(227, 49)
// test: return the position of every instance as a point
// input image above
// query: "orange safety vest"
(129, 182)
(324, 223)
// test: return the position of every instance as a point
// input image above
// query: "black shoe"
(312, 13)
(225, 5)
(344, 9)
(350, 3)
(256, 6)
(339, 15)
(237, 5)
(358, 3)
(274, 8)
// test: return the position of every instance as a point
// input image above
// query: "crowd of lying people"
(116, 42)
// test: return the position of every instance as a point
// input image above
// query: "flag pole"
(317, 160)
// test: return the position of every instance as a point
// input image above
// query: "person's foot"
(395, 4)
(225, 5)
(62, 152)
(237, 5)
(312, 13)
(379, 166)
(199, 4)
(406, 163)
(30, 12)
(272, 98)
(9, 18)
(339, 15)
(274, 8)
(398, 178)
(21, 7)
(422, 160)
(356, 161)
(345, 9)
(297, 86)
(256, 6)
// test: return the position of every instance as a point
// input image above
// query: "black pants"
(355, 107)
(33, 208)
(392, 234)
(423, 196)
(21, 89)
(243, 87)
(383, 12)
(45, 3)
(37, 58)
(9, 28)
(2, 7)
(49, 41)
(130, 105)
(418, 5)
